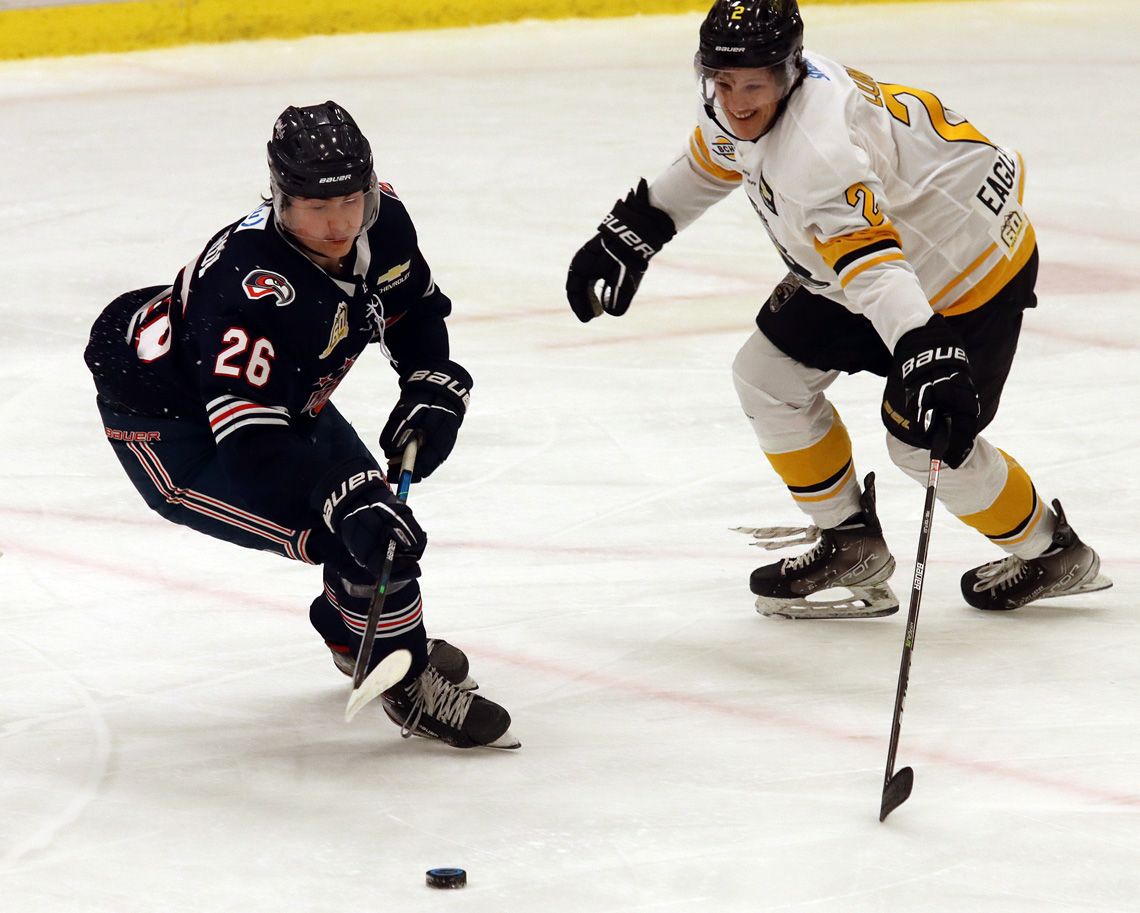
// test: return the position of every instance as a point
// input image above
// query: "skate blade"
(864, 602)
(1099, 582)
(387, 673)
(506, 741)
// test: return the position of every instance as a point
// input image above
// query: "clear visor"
(332, 219)
(747, 89)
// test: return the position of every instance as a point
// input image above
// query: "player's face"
(326, 226)
(749, 99)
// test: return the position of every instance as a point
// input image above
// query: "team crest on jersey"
(261, 283)
(325, 387)
(387, 189)
(766, 194)
(339, 329)
(723, 146)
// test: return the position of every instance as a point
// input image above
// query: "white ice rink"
(172, 736)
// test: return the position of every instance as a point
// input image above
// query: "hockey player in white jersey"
(909, 255)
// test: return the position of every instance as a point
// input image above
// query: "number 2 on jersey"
(886, 95)
(258, 365)
(862, 195)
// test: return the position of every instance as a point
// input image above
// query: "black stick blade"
(896, 791)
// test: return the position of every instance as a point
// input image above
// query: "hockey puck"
(446, 878)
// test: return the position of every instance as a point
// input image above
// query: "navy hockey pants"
(174, 466)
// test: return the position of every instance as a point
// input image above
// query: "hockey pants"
(805, 342)
(174, 466)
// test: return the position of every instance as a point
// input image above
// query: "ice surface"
(172, 733)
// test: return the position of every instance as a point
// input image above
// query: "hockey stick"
(897, 786)
(395, 665)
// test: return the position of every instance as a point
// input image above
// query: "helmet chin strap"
(297, 242)
(710, 110)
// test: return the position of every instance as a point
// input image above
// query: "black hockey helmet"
(751, 33)
(318, 151)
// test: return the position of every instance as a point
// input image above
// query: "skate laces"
(774, 538)
(434, 695)
(802, 561)
(1001, 575)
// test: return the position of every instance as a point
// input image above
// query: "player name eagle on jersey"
(908, 188)
(254, 334)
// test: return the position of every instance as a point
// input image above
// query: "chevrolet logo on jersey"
(339, 329)
(394, 276)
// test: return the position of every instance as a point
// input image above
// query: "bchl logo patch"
(387, 189)
(723, 146)
(262, 282)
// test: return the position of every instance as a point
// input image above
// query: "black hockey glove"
(937, 387)
(618, 255)
(360, 509)
(431, 406)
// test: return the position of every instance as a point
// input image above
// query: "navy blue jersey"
(253, 337)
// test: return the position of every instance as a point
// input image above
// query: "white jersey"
(875, 194)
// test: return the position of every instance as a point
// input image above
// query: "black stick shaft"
(937, 451)
(912, 613)
(376, 607)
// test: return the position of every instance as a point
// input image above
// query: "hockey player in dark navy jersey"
(215, 395)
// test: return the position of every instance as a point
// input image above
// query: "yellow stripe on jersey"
(995, 280)
(962, 276)
(700, 153)
(850, 254)
(867, 264)
(1000, 273)
(1014, 513)
(814, 465)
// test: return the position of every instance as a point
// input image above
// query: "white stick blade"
(388, 671)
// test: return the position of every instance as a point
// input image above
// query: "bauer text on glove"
(933, 371)
(617, 256)
(433, 401)
(359, 508)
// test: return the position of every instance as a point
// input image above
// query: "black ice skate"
(844, 576)
(1067, 567)
(434, 708)
(447, 658)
